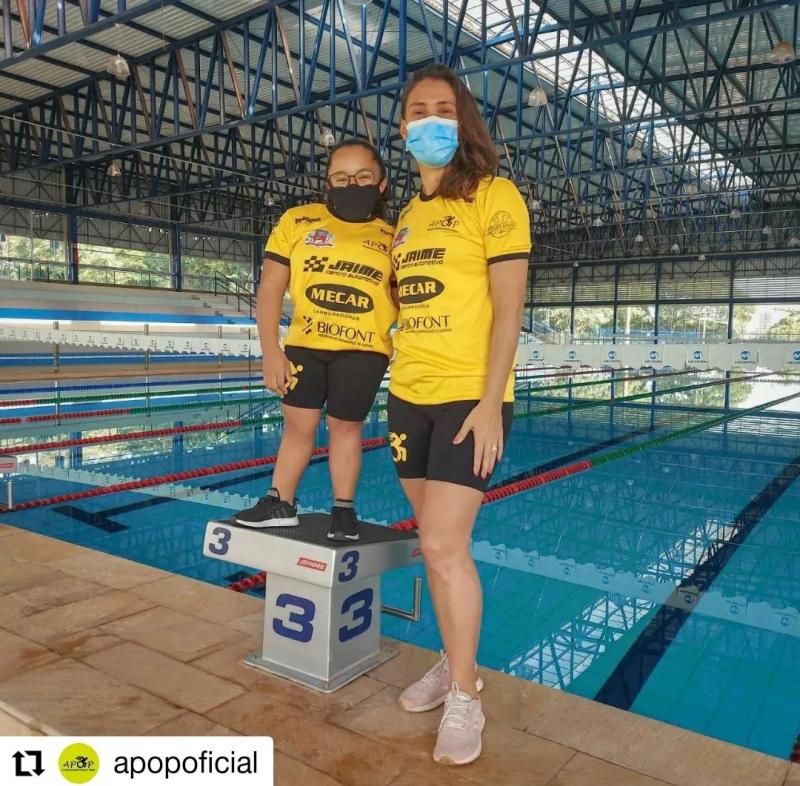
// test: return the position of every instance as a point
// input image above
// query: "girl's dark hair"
(381, 208)
(476, 156)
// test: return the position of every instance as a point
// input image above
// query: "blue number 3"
(350, 562)
(301, 619)
(362, 614)
(224, 538)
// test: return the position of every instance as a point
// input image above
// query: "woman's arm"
(507, 282)
(269, 307)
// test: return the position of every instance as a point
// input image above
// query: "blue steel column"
(71, 248)
(175, 266)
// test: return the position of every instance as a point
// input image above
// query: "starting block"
(323, 598)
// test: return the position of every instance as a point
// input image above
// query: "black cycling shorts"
(347, 380)
(421, 438)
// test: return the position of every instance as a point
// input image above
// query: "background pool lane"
(572, 572)
(638, 527)
(740, 680)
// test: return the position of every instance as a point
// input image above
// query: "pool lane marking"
(632, 672)
(235, 423)
(543, 478)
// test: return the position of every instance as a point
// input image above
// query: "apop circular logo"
(78, 763)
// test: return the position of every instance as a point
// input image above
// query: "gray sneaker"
(430, 691)
(459, 740)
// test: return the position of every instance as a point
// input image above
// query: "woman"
(460, 254)
(335, 259)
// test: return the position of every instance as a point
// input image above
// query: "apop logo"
(653, 355)
(796, 355)
(697, 355)
(572, 354)
(78, 763)
(612, 354)
(536, 354)
(745, 354)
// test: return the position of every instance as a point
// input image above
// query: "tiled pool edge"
(573, 724)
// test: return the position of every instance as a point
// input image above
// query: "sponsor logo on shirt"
(314, 564)
(342, 267)
(345, 333)
(425, 324)
(400, 237)
(418, 289)
(501, 223)
(356, 270)
(320, 238)
(420, 256)
(337, 297)
(308, 326)
(385, 231)
(447, 223)
(306, 220)
(314, 264)
(376, 245)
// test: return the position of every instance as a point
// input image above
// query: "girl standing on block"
(460, 254)
(334, 257)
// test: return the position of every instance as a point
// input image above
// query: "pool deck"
(95, 644)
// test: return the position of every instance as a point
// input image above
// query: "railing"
(19, 269)
(232, 289)
(58, 273)
(681, 337)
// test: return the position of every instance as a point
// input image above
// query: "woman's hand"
(277, 371)
(485, 422)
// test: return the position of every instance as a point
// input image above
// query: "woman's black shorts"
(421, 438)
(347, 380)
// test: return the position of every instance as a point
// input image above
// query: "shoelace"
(455, 714)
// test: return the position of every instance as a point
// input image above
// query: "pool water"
(665, 582)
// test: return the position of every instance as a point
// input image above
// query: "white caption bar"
(101, 761)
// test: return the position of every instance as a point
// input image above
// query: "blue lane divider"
(117, 385)
(122, 316)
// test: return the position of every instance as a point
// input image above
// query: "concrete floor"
(94, 644)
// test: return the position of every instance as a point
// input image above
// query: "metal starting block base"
(323, 598)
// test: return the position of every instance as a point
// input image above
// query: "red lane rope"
(171, 477)
(18, 402)
(501, 492)
(160, 432)
(258, 580)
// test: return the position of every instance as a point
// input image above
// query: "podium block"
(323, 598)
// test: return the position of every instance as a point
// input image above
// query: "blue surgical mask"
(433, 141)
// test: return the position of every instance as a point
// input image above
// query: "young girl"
(460, 254)
(335, 259)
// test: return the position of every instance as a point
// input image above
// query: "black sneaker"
(269, 511)
(344, 524)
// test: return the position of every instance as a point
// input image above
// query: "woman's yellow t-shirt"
(340, 279)
(441, 254)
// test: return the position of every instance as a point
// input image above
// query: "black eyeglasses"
(364, 177)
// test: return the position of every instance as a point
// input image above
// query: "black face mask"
(354, 202)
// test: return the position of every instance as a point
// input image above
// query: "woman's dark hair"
(381, 209)
(476, 156)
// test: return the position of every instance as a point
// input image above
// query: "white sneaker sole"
(433, 705)
(448, 761)
(292, 522)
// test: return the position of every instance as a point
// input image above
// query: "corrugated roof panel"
(127, 41)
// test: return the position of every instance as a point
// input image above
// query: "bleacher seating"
(48, 301)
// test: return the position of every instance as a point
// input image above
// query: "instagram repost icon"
(78, 763)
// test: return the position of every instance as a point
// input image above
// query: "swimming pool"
(662, 578)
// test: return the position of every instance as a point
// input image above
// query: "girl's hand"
(277, 372)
